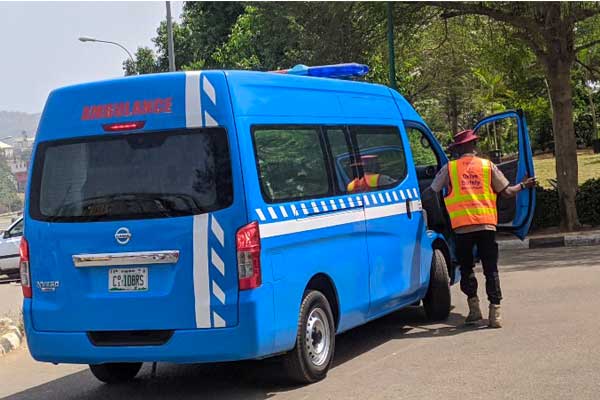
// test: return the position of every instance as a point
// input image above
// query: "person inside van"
(371, 177)
(472, 185)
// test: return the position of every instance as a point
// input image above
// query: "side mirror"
(5, 234)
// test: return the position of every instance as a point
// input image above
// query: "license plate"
(127, 279)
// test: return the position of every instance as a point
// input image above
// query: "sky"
(41, 51)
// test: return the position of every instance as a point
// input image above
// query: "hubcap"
(318, 339)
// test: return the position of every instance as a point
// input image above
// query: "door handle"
(408, 210)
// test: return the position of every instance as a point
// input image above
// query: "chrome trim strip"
(130, 258)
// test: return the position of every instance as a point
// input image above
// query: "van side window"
(423, 154)
(382, 162)
(344, 162)
(291, 163)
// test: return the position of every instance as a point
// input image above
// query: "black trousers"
(488, 253)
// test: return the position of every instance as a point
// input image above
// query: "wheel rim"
(318, 338)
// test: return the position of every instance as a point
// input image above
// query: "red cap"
(464, 137)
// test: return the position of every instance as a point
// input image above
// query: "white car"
(9, 248)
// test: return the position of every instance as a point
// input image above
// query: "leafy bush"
(588, 202)
(546, 209)
(588, 206)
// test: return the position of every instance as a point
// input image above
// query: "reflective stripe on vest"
(471, 200)
(364, 184)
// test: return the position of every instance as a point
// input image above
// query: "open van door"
(504, 139)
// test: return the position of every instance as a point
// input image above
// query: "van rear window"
(132, 176)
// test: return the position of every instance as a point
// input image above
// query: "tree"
(204, 27)
(9, 200)
(145, 62)
(549, 29)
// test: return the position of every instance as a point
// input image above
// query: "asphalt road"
(548, 349)
(10, 299)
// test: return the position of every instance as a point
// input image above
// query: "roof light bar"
(328, 71)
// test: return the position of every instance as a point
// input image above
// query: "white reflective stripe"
(333, 206)
(387, 196)
(324, 206)
(209, 89)
(310, 223)
(219, 322)
(314, 207)
(218, 292)
(342, 204)
(260, 214)
(217, 261)
(408, 193)
(385, 211)
(272, 213)
(294, 210)
(304, 210)
(283, 211)
(216, 229)
(193, 103)
(381, 198)
(416, 205)
(402, 194)
(366, 200)
(358, 201)
(351, 202)
(200, 271)
(415, 193)
(209, 120)
(395, 196)
(374, 199)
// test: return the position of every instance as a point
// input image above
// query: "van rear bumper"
(251, 338)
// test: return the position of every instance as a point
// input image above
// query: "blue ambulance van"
(206, 216)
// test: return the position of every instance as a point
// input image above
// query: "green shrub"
(546, 209)
(588, 206)
(588, 202)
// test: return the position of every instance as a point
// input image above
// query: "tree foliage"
(455, 61)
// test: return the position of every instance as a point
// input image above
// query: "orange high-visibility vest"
(364, 184)
(472, 200)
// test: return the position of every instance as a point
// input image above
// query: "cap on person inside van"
(463, 137)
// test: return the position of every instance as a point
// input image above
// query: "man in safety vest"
(473, 184)
(371, 178)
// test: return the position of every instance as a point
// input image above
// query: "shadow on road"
(242, 380)
(561, 257)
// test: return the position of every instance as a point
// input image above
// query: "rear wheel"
(437, 302)
(311, 358)
(115, 372)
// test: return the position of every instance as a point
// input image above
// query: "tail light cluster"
(24, 268)
(248, 256)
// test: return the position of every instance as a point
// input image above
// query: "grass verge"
(545, 167)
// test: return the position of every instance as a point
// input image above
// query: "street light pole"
(170, 44)
(90, 39)
(392, 57)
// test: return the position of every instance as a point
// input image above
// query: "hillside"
(12, 123)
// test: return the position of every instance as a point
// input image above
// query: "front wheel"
(115, 372)
(437, 302)
(311, 358)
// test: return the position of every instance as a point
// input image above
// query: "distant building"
(6, 151)
(19, 171)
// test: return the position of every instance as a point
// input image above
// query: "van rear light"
(124, 126)
(248, 256)
(24, 268)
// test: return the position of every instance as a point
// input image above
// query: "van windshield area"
(132, 176)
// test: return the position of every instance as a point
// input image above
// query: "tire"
(309, 361)
(437, 302)
(115, 372)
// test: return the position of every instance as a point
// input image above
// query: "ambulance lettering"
(127, 109)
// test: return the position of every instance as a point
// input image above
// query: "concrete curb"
(563, 240)
(12, 339)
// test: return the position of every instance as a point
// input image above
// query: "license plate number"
(127, 279)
